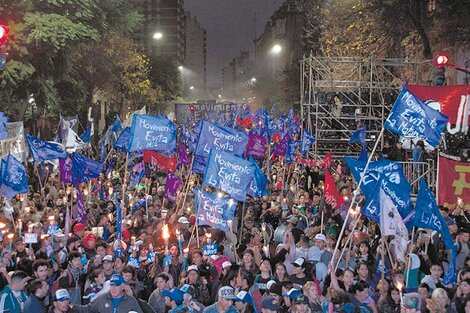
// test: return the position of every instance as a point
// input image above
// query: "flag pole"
(187, 187)
(382, 252)
(348, 241)
(356, 192)
(242, 223)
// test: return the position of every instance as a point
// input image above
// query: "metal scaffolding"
(341, 94)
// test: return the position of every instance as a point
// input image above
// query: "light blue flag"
(359, 135)
(44, 150)
(122, 143)
(220, 138)
(394, 183)
(427, 215)
(117, 124)
(363, 157)
(86, 136)
(291, 152)
(84, 169)
(307, 141)
(214, 211)
(3, 126)
(14, 178)
(152, 133)
(229, 173)
(257, 187)
(411, 117)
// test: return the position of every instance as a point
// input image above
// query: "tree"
(165, 76)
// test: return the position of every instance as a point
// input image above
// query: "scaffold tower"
(341, 94)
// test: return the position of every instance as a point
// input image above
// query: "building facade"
(194, 71)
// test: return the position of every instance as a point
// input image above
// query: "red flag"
(161, 161)
(247, 122)
(327, 160)
(454, 181)
(332, 197)
(276, 137)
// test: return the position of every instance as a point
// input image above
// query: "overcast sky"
(230, 26)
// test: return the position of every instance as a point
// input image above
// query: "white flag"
(391, 224)
(73, 140)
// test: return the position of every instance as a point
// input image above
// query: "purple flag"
(256, 146)
(173, 182)
(79, 214)
(281, 148)
(66, 170)
(183, 157)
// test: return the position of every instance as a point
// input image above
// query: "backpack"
(55, 285)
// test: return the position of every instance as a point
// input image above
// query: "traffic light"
(3, 45)
(439, 72)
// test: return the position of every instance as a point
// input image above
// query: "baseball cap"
(270, 304)
(276, 289)
(192, 268)
(72, 239)
(108, 258)
(174, 294)
(117, 280)
(299, 262)
(183, 220)
(186, 288)
(244, 296)
(78, 227)
(293, 220)
(227, 293)
(226, 264)
(301, 299)
(293, 293)
(61, 295)
(320, 237)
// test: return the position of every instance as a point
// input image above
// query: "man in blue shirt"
(225, 303)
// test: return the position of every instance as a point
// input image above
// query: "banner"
(410, 117)
(161, 161)
(80, 214)
(44, 150)
(152, 133)
(214, 211)
(332, 197)
(172, 185)
(219, 138)
(122, 143)
(84, 169)
(14, 179)
(452, 101)
(188, 113)
(394, 183)
(453, 181)
(65, 166)
(14, 143)
(229, 173)
(183, 157)
(307, 141)
(256, 146)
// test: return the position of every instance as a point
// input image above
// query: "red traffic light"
(441, 60)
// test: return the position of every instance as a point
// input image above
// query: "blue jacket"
(9, 302)
(213, 309)
(34, 305)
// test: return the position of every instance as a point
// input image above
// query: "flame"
(165, 232)
(2, 225)
(186, 250)
(10, 236)
(399, 286)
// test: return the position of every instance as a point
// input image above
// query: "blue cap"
(244, 296)
(61, 295)
(117, 280)
(293, 293)
(174, 294)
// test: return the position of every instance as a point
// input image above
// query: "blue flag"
(3, 126)
(213, 210)
(394, 183)
(219, 138)
(291, 152)
(14, 179)
(117, 124)
(363, 157)
(359, 135)
(427, 215)
(44, 150)
(102, 193)
(257, 187)
(84, 169)
(122, 143)
(118, 218)
(80, 214)
(281, 148)
(152, 133)
(306, 143)
(229, 173)
(86, 136)
(411, 117)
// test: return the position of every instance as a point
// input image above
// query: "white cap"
(226, 264)
(183, 220)
(108, 258)
(320, 237)
(192, 268)
(299, 262)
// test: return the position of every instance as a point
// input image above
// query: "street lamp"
(191, 88)
(180, 67)
(253, 79)
(158, 35)
(276, 49)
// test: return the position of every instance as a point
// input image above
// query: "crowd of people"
(279, 255)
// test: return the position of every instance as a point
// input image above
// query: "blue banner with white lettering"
(220, 138)
(84, 169)
(122, 143)
(229, 173)
(214, 211)
(257, 187)
(14, 179)
(152, 133)
(307, 141)
(394, 183)
(44, 150)
(291, 152)
(427, 215)
(411, 117)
